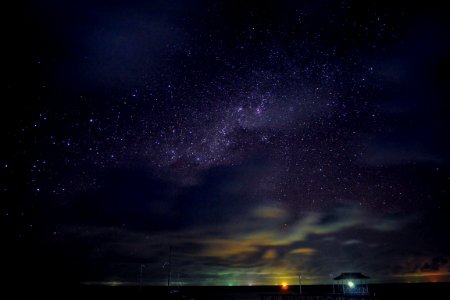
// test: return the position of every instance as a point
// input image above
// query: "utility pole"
(170, 267)
(332, 281)
(140, 279)
(300, 283)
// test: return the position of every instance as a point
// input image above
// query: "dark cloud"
(436, 264)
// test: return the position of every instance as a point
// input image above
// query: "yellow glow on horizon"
(424, 274)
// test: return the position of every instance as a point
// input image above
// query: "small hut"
(352, 283)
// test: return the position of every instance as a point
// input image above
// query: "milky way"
(257, 140)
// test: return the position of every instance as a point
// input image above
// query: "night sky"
(257, 139)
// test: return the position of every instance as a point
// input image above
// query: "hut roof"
(344, 276)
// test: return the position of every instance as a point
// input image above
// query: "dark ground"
(381, 291)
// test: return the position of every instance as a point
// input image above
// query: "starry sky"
(257, 139)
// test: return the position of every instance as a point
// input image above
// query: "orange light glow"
(284, 286)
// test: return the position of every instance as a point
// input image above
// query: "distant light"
(351, 284)
(284, 286)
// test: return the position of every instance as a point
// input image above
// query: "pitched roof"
(351, 276)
